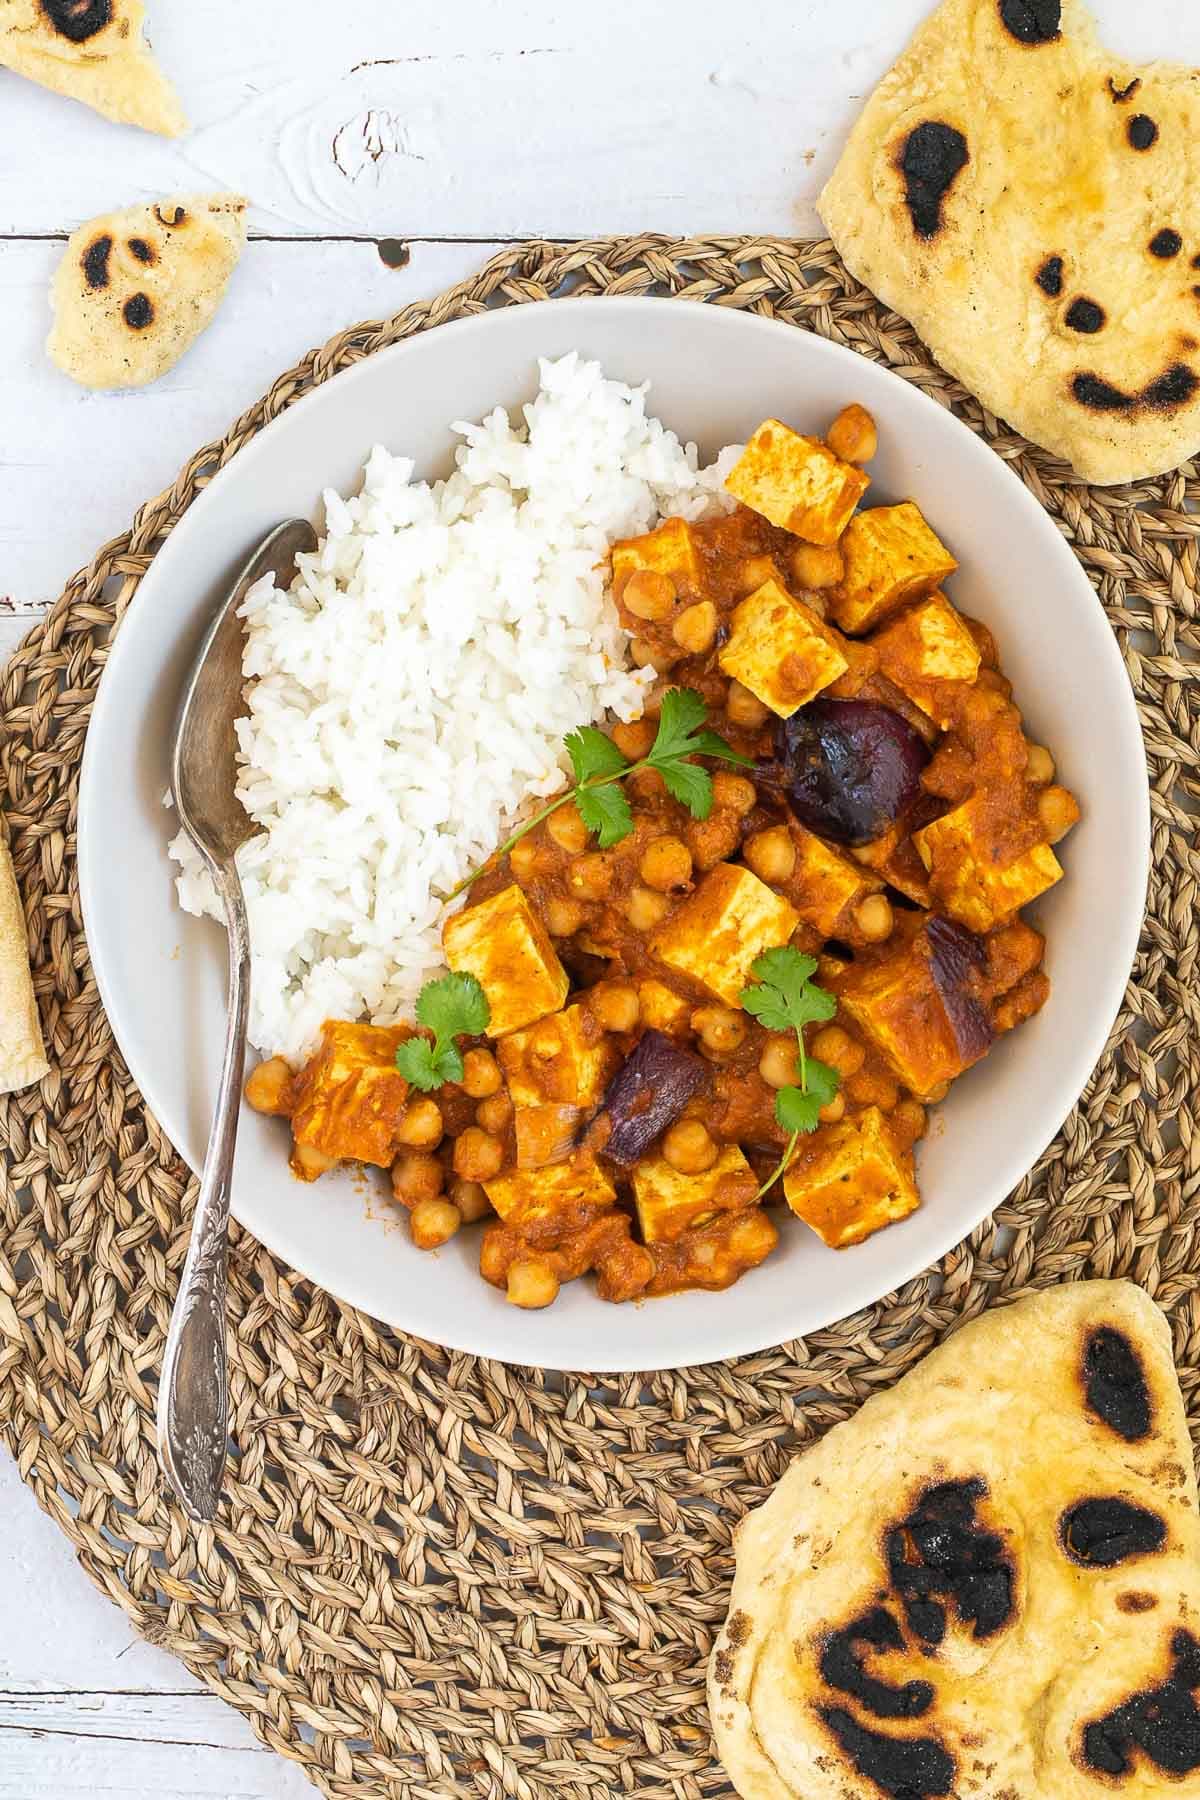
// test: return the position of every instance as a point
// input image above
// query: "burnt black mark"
(95, 262)
(145, 253)
(1121, 95)
(1114, 1380)
(1099, 395)
(1163, 1723)
(1166, 243)
(138, 312)
(1136, 1603)
(77, 20)
(1086, 315)
(1050, 276)
(1172, 390)
(904, 1768)
(1196, 262)
(842, 1667)
(1141, 131)
(1032, 21)
(941, 1556)
(173, 219)
(930, 161)
(1102, 1533)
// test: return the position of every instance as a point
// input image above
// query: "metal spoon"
(193, 1401)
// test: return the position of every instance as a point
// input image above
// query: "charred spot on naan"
(843, 1666)
(94, 261)
(1160, 1724)
(912, 1768)
(1114, 1384)
(943, 1556)
(1103, 1532)
(1174, 388)
(930, 159)
(77, 20)
(1032, 22)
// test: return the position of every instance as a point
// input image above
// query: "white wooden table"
(455, 128)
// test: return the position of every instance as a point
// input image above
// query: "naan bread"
(1032, 204)
(986, 1584)
(94, 51)
(22, 1052)
(136, 288)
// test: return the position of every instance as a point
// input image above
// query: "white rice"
(411, 691)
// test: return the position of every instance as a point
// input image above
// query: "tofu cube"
(662, 1009)
(896, 1003)
(719, 930)
(797, 483)
(504, 944)
(892, 557)
(930, 656)
(781, 649)
(564, 1059)
(969, 873)
(851, 1179)
(669, 550)
(668, 1203)
(546, 1134)
(351, 1095)
(569, 1192)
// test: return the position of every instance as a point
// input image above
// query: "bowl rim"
(1111, 979)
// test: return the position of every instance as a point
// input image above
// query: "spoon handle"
(193, 1399)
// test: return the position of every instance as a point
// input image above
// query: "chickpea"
(778, 1064)
(648, 594)
(311, 1162)
(772, 854)
(635, 739)
(567, 828)
(420, 1124)
(645, 656)
(711, 840)
(836, 1047)
(874, 918)
(666, 864)
(481, 1074)
(733, 793)
(1058, 811)
(853, 436)
(563, 917)
(590, 877)
(688, 1147)
(696, 627)
(1039, 765)
(908, 1120)
(744, 708)
(432, 1223)
(532, 1284)
(616, 1007)
(471, 1200)
(493, 1256)
(646, 909)
(873, 1090)
(477, 1154)
(267, 1086)
(494, 1114)
(720, 1029)
(817, 566)
(829, 1115)
(523, 858)
(417, 1176)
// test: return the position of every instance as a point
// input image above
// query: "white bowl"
(714, 374)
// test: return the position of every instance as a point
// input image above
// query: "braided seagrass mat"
(437, 1576)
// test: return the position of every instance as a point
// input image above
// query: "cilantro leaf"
(690, 784)
(605, 810)
(711, 743)
(456, 1005)
(821, 1080)
(786, 974)
(593, 753)
(415, 1061)
(767, 1006)
(797, 1111)
(683, 710)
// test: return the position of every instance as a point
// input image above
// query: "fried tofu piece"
(969, 872)
(504, 944)
(349, 1098)
(928, 1031)
(564, 1059)
(670, 550)
(930, 655)
(781, 649)
(797, 483)
(713, 1256)
(668, 1203)
(546, 1133)
(569, 1192)
(662, 1009)
(892, 558)
(826, 885)
(851, 1179)
(719, 930)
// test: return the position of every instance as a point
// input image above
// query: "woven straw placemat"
(439, 1576)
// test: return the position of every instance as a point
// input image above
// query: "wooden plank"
(74, 466)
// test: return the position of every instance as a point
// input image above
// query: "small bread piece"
(94, 51)
(136, 288)
(797, 483)
(22, 1051)
(892, 558)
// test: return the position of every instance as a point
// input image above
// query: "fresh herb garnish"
(599, 767)
(787, 999)
(454, 1006)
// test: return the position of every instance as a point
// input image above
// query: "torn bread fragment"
(22, 1052)
(94, 51)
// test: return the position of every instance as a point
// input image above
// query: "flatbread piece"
(1032, 204)
(986, 1584)
(22, 1052)
(136, 288)
(94, 51)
